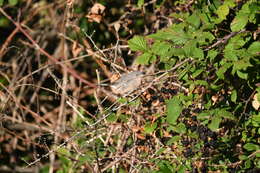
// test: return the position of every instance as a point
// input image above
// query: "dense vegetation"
(196, 109)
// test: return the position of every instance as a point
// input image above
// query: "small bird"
(127, 83)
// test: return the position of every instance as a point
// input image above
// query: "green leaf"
(194, 20)
(201, 82)
(234, 96)
(12, 2)
(212, 54)
(150, 127)
(224, 114)
(242, 75)
(4, 22)
(160, 48)
(254, 48)
(138, 43)
(180, 128)
(251, 147)
(189, 48)
(197, 73)
(215, 121)
(198, 53)
(144, 58)
(1, 2)
(241, 65)
(223, 11)
(239, 22)
(112, 117)
(174, 109)
(173, 140)
(140, 3)
(220, 73)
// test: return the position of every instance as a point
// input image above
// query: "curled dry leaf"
(95, 14)
(255, 102)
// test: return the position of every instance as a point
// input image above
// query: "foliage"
(201, 115)
(222, 40)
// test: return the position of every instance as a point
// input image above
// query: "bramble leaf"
(214, 125)
(239, 22)
(234, 96)
(138, 43)
(144, 58)
(174, 109)
(251, 147)
(12, 2)
(254, 48)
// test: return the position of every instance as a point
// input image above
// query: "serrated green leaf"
(144, 59)
(239, 22)
(12, 2)
(212, 54)
(198, 53)
(161, 35)
(189, 48)
(204, 38)
(152, 59)
(194, 20)
(215, 121)
(234, 96)
(242, 75)
(161, 48)
(174, 109)
(230, 54)
(251, 147)
(138, 43)
(241, 64)
(254, 48)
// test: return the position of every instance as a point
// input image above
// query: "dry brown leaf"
(95, 14)
(97, 8)
(255, 102)
(94, 18)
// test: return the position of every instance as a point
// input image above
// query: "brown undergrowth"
(55, 102)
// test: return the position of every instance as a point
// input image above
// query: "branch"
(56, 61)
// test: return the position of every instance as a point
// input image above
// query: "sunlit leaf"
(234, 96)
(140, 3)
(12, 2)
(138, 43)
(242, 75)
(215, 121)
(239, 22)
(174, 109)
(144, 58)
(194, 20)
(150, 127)
(223, 11)
(251, 147)
(254, 48)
